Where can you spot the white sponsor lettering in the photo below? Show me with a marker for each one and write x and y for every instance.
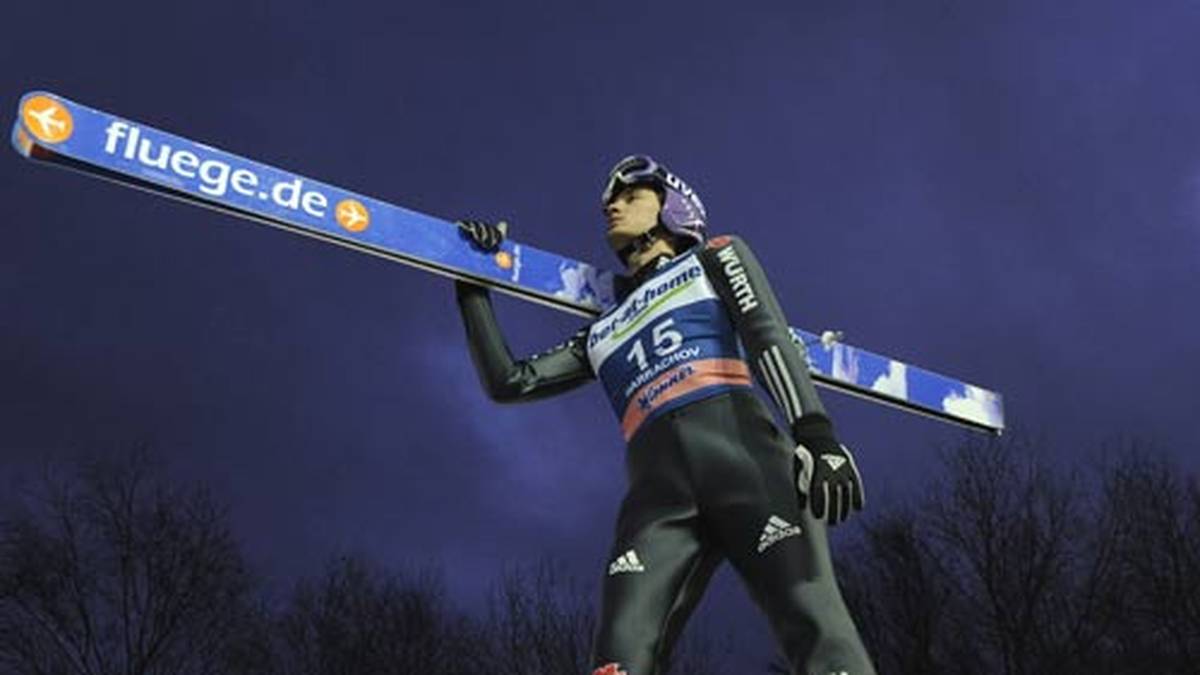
(681, 285)
(626, 563)
(633, 307)
(775, 530)
(215, 176)
(686, 354)
(735, 273)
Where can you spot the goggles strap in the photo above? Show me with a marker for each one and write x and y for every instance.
(643, 242)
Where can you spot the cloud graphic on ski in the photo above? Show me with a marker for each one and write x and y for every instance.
(584, 283)
(976, 404)
(845, 363)
(894, 382)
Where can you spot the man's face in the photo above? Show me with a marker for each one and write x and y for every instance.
(632, 213)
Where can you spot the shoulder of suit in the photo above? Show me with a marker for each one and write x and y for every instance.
(722, 241)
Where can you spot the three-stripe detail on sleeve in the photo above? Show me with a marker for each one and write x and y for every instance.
(779, 383)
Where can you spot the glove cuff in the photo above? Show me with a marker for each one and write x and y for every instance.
(813, 427)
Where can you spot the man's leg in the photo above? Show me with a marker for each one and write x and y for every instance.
(787, 567)
(782, 553)
(659, 566)
(652, 585)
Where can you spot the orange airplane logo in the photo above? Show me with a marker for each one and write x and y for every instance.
(352, 215)
(47, 119)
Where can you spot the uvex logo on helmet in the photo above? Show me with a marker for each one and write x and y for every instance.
(676, 183)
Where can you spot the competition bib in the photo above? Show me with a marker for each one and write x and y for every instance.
(667, 344)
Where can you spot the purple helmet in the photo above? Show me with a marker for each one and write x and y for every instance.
(682, 212)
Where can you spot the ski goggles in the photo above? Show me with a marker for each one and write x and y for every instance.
(633, 170)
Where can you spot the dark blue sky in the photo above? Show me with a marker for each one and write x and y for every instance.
(1004, 192)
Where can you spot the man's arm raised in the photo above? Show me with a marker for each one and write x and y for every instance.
(505, 379)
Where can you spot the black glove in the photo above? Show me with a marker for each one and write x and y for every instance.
(483, 235)
(826, 476)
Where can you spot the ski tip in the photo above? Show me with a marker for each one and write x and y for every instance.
(21, 140)
(29, 101)
(42, 118)
(38, 92)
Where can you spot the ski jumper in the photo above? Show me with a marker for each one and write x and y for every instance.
(710, 473)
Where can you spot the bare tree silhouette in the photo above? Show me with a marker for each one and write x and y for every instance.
(1155, 511)
(1008, 563)
(1012, 564)
(358, 619)
(108, 569)
(893, 580)
(1013, 536)
(539, 621)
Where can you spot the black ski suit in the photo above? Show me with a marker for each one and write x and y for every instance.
(710, 473)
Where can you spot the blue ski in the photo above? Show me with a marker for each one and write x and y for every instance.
(54, 130)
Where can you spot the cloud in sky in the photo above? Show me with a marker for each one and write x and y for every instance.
(560, 456)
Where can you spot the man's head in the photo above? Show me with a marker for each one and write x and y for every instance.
(631, 213)
(639, 187)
